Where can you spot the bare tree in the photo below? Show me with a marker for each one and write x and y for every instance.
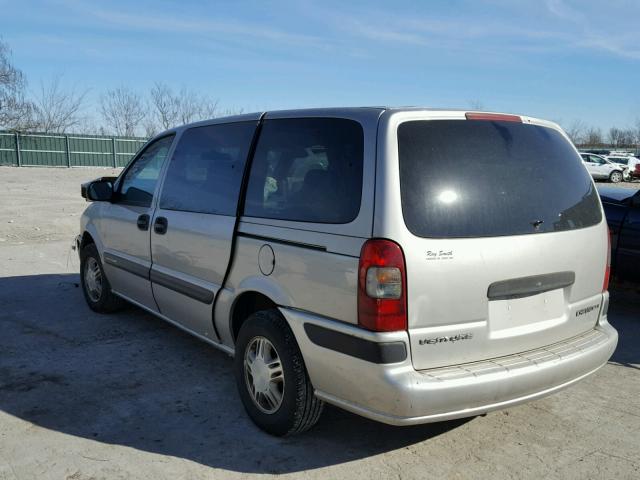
(194, 107)
(227, 112)
(122, 110)
(593, 137)
(627, 138)
(614, 137)
(186, 106)
(89, 126)
(150, 127)
(164, 105)
(576, 131)
(58, 110)
(16, 112)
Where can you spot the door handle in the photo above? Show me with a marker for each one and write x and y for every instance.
(143, 222)
(160, 225)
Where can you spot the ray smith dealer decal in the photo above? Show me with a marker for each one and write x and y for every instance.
(439, 254)
(585, 310)
(452, 338)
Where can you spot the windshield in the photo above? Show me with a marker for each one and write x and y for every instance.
(476, 178)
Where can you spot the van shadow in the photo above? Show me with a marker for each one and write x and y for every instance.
(624, 315)
(130, 379)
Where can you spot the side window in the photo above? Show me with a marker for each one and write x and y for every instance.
(597, 160)
(307, 170)
(206, 169)
(139, 181)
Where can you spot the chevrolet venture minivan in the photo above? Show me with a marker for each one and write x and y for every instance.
(408, 265)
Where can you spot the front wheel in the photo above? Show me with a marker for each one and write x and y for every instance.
(271, 376)
(615, 177)
(95, 285)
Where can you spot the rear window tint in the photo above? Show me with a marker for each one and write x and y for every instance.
(474, 178)
(307, 170)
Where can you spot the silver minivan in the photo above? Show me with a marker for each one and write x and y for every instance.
(408, 265)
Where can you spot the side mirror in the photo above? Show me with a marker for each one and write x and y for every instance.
(98, 190)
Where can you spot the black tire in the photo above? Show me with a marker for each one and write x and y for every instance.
(299, 409)
(616, 177)
(106, 301)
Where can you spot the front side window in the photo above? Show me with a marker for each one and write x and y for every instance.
(140, 179)
(307, 170)
(476, 178)
(206, 169)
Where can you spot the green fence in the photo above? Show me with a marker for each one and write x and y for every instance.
(58, 150)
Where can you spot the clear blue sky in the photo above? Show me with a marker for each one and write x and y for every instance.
(557, 59)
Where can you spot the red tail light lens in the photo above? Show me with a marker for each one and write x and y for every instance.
(637, 169)
(382, 287)
(607, 270)
(495, 117)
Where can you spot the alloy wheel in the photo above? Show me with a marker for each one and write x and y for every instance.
(264, 375)
(93, 279)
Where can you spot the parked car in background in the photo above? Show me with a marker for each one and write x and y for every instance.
(602, 169)
(631, 163)
(622, 209)
(407, 265)
(597, 151)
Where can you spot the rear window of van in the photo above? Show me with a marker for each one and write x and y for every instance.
(477, 178)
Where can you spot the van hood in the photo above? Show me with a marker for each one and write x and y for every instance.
(615, 195)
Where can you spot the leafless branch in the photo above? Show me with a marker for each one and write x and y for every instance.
(576, 131)
(58, 110)
(169, 109)
(122, 110)
(16, 112)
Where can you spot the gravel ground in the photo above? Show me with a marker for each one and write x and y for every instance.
(86, 396)
(42, 204)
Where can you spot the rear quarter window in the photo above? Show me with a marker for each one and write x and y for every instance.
(474, 178)
(307, 170)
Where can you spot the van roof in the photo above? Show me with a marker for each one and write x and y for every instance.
(337, 111)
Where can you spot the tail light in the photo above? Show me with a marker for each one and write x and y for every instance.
(607, 270)
(637, 169)
(382, 287)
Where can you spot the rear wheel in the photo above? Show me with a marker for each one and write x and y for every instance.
(271, 376)
(95, 285)
(615, 177)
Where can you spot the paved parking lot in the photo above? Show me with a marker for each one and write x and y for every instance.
(85, 396)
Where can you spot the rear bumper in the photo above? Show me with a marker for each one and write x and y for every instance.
(397, 394)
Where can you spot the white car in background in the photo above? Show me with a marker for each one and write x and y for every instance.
(627, 161)
(602, 169)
